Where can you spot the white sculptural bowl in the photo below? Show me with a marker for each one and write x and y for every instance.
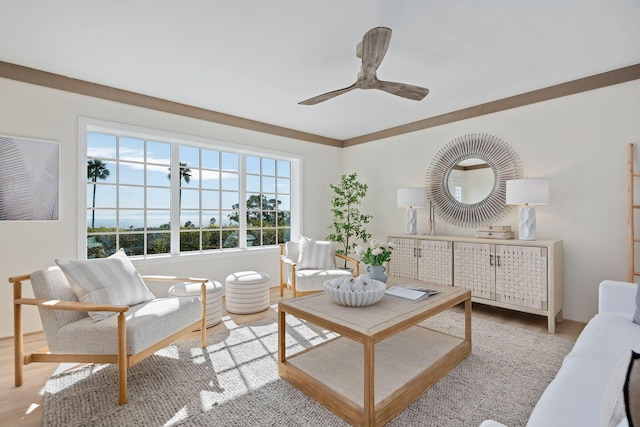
(373, 294)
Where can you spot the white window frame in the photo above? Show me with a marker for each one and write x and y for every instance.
(457, 188)
(86, 125)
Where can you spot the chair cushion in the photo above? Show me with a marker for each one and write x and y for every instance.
(112, 280)
(312, 280)
(147, 324)
(316, 254)
(291, 250)
(51, 284)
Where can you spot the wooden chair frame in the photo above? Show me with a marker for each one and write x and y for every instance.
(122, 359)
(284, 260)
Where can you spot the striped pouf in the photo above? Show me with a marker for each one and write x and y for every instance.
(247, 292)
(214, 298)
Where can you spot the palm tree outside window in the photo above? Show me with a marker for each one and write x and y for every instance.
(96, 169)
(185, 174)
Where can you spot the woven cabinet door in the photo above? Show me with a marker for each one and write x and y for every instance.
(435, 262)
(404, 261)
(474, 268)
(521, 276)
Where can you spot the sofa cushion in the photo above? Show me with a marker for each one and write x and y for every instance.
(575, 396)
(112, 281)
(147, 324)
(316, 254)
(606, 336)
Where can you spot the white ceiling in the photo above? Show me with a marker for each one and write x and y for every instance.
(258, 58)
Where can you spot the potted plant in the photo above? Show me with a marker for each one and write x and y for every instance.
(349, 224)
(374, 256)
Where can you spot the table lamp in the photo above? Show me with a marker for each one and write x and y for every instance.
(411, 198)
(527, 193)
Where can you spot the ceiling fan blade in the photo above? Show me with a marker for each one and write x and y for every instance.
(326, 96)
(372, 50)
(415, 93)
(374, 46)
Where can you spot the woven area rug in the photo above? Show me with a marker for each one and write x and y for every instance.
(235, 382)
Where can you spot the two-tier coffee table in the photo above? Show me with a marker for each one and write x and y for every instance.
(382, 360)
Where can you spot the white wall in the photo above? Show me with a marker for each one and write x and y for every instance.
(578, 142)
(36, 112)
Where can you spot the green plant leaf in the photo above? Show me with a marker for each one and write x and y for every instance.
(348, 222)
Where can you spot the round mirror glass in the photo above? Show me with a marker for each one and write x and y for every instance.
(471, 181)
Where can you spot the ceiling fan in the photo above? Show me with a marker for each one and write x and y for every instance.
(372, 50)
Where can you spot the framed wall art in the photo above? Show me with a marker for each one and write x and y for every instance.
(29, 179)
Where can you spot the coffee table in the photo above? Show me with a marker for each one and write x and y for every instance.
(382, 360)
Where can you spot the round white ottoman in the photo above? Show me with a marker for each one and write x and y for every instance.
(247, 292)
(214, 298)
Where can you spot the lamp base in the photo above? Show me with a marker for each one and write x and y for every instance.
(527, 223)
(411, 225)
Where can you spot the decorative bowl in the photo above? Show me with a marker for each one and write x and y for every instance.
(372, 295)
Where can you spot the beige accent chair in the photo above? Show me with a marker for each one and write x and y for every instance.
(305, 281)
(125, 339)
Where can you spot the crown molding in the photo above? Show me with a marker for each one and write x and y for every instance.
(82, 87)
(596, 81)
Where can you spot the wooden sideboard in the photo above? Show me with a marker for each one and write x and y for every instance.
(522, 275)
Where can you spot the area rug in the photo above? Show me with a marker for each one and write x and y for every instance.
(235, 382)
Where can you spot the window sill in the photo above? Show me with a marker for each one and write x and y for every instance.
(196, 256)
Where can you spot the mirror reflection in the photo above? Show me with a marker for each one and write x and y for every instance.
(470, 181)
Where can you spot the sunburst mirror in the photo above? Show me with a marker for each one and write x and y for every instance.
(466, 180)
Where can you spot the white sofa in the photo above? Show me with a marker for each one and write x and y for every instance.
(577, 395)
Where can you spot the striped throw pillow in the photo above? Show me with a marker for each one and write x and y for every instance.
(112, 281)
(316, 254)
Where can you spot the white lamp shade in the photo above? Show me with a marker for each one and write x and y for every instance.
(411, 197)
(530, 191)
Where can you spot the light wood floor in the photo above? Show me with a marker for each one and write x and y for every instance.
(22, 406)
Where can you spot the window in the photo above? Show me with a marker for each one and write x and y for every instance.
(135, 201)
(456, 186)
(209, 197)
(457, 193)
(268, 196)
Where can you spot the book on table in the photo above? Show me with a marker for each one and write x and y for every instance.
(409, 293)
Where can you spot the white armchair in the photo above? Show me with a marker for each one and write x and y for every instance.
(305, 274)
(134, 333)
